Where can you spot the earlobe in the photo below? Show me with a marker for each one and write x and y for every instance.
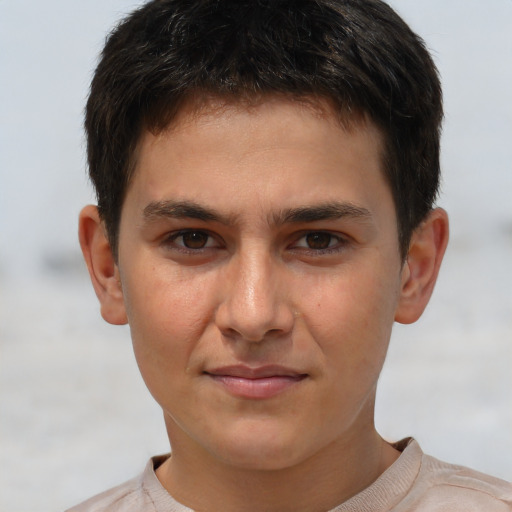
(419, 275)
(102, 267)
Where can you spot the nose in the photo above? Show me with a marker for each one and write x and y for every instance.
(255, 304)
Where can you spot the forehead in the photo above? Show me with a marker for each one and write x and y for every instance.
(299, 148)
(271, 117)
(205, 108)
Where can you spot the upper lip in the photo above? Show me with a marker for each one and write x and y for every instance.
(260, 372)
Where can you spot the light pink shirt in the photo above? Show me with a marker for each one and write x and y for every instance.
(415, 482)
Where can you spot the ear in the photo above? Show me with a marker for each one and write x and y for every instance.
(421, 268)
(102, 266)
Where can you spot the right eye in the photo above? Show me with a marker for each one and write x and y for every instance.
(191, 240)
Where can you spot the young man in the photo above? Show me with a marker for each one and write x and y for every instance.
(266, 173)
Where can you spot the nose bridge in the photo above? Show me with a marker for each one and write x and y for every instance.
(255, 287)
(254, 304)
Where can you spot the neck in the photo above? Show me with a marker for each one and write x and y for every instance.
(330, 477)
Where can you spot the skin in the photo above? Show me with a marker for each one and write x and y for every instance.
(263, 239)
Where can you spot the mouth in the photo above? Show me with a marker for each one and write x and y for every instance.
(255, 383)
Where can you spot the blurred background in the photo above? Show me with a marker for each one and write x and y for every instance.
(75, 417)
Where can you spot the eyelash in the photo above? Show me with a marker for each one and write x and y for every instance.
(171, 242)
(339, 245)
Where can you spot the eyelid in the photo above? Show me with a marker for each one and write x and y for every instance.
(169, 240)
(341, 242)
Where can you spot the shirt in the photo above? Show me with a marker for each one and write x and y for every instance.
(414, 482)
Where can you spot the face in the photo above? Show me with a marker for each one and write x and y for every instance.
(260, 272)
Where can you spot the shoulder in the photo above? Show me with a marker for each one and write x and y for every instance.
(141, 493)
(441, 487)
(117, 498)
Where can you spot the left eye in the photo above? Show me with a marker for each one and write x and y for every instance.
(318, 240)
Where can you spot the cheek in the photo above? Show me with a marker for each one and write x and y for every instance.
(352, 315)
(167, 314)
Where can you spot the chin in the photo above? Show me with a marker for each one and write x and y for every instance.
(266, 450)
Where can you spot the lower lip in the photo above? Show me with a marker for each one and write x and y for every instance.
(265, 387)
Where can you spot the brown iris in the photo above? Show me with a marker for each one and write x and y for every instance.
(195, 239)
(318, 240)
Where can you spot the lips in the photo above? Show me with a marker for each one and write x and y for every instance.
(255, 383)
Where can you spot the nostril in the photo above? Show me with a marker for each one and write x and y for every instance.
(230, 333)
(253, 336)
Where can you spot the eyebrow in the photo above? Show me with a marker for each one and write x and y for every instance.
(181, 210)
(304, 214)
(327, 211)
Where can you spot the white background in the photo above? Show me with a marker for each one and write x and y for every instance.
(75, 417)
